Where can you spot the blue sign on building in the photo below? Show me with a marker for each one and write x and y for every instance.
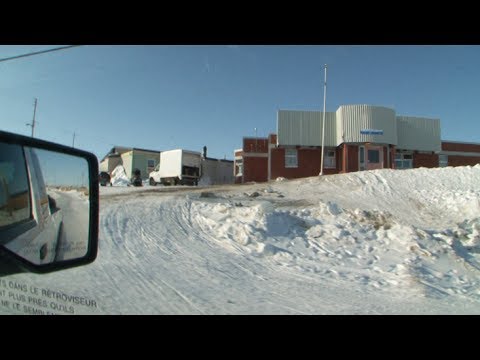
(371, 132)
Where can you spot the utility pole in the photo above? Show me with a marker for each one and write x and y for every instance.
(34, 113)
(256, 141)
(73, 143)
(323, 122)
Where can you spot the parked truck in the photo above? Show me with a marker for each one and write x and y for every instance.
(177, 167)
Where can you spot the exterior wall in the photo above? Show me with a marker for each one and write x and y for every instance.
(461, 154)
(224, 174)
(352, 158)
(385, 157)
(304, 128)
(113, 162)
(272, 139)
(140, 161)
(255, 169)
(103, 166)
(127, 163)
(255, 145)
(110, 163)
(393, 150)
(415, 133)
(254, 155)
(216, 172)
(352, 119)
(308, 163)
(425, 160)
(454, 146)
(455, 160)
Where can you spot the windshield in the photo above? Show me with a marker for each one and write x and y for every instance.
(252, 179)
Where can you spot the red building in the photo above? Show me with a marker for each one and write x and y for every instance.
(357, 138)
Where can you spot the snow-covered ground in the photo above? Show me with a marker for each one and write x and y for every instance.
(378, 242)
(74, 206)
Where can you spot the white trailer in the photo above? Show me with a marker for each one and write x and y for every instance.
(177, 167)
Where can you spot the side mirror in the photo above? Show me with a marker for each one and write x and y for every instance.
(48, 205)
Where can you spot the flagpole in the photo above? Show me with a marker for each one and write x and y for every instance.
(323, 122)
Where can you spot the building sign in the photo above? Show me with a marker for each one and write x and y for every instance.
(371, 132)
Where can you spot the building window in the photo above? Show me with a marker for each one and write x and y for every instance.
(403, 160)
(291, 158)
(151, 163)
(373, 156)
(329, 159)
(443, 160)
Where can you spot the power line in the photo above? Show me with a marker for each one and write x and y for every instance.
(38, 52)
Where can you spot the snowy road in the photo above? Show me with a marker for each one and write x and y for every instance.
(380, 242)
(75, 224)
(212, 256)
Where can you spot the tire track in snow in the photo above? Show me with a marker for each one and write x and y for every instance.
(138, 254)
(189, 265)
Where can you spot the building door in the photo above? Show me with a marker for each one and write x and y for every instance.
(374, 157)
(361, 158)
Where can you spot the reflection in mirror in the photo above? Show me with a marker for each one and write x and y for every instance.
(44, 204)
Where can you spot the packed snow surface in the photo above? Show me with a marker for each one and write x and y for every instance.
(373, 242)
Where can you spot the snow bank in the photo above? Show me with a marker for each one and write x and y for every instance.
(438, 197)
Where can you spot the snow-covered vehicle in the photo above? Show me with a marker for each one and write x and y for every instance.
(177, 167)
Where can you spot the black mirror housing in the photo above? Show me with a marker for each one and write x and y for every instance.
(22, 210)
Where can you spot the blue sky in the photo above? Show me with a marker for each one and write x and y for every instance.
(165, 97)
(62, 169)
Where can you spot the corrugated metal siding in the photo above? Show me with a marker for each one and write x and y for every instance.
(217, 172)
(351, 119)
(304, 128)
(415, 133)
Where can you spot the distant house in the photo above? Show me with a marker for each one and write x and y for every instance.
(130, 158)
(214, 171)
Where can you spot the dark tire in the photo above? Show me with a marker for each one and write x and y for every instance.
(152, 182)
